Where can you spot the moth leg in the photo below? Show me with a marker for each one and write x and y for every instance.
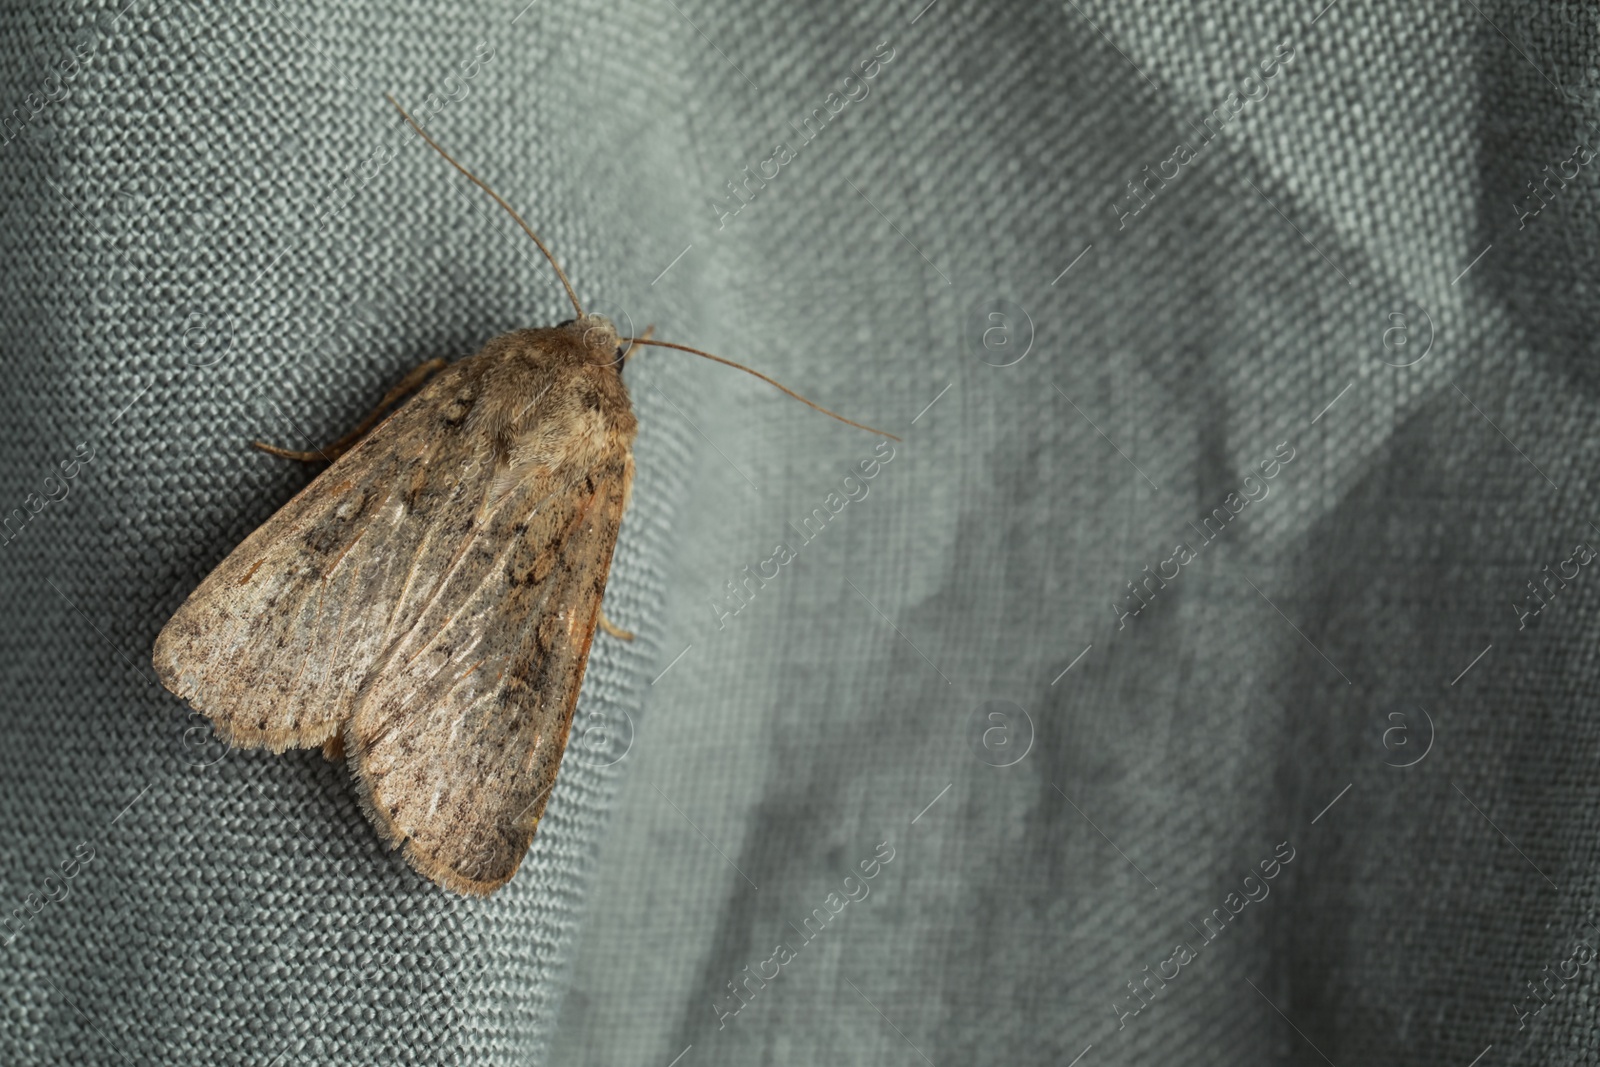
(409, 384)
(613, 629)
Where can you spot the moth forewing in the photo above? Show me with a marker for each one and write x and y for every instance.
(275, 644)
(497, 661)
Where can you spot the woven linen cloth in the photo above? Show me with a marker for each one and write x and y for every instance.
(216, 231)
(1205, 676)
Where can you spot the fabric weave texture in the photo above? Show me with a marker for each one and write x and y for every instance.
(1069, 654)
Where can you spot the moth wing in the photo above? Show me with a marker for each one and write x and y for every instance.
(457, 739)
(276, 643)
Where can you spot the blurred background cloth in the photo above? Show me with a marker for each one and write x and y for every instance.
(1103, 268)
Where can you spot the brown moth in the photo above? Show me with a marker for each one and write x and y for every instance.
(426, 605)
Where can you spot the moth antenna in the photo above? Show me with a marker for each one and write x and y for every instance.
(763, 377)
(475, 180)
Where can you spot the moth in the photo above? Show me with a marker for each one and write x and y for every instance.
(425, 607)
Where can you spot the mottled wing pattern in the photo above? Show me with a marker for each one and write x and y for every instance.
(457, 738)
(430, 601)
(275, 645)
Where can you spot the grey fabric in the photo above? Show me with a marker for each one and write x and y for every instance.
(180, 281)
(175, 287)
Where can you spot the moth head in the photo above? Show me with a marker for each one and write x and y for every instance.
(599, 340)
